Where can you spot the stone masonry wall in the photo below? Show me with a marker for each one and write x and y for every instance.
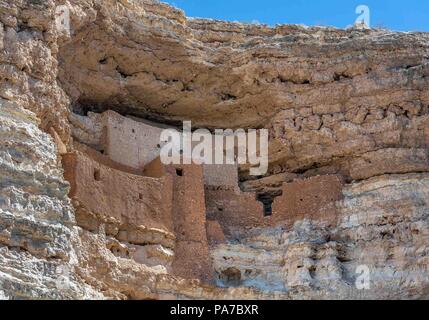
(136, 143)
(314, 198)
(130, 142)
(225, 176)
(146, 211)
(133, 208)
(234, 209)
(189, 211)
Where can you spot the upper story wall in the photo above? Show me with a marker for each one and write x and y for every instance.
(136, 143)
(221, 176)
(130, 142)
(314, 198)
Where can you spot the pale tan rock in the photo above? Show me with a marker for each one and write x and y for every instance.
(379, 219)
(37, 259)
(320, 97)
(61, 148)
(353, 103)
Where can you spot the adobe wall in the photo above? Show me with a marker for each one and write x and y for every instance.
(104, 160)
(225, 176)
(155, 169)
(189, 214)
(134, 208)
(215, 234)
(314, 198)
(129, 142)
(234, 209)
(136, 143)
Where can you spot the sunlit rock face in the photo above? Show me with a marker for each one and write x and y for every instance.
(37, 258)
(382, 225)
(333, 100)
(350, 104)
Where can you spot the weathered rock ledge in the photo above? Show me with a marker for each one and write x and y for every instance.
(350, 103)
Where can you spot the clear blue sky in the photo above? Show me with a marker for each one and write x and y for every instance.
(401, 15)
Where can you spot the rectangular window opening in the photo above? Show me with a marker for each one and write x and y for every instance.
(97, 175)
(179, 172)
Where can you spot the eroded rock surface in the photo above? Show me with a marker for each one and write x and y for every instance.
(333, 100)
(37, 257)
(346, 103)
(382, 224)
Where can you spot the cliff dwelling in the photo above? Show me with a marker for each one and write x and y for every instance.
(173, 216)
(89, 211)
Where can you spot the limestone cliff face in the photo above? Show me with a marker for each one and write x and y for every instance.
(334, 100)
(382, 224)
(354, 103)
(36, 217)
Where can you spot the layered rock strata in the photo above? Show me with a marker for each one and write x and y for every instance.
(349, 105)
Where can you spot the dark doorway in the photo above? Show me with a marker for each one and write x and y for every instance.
(267, 201)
